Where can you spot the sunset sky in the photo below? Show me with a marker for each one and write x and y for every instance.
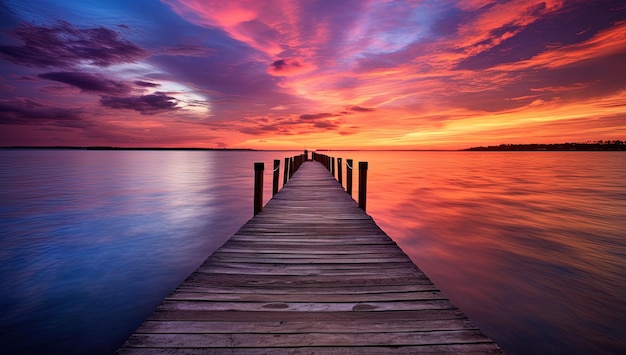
(335, 74)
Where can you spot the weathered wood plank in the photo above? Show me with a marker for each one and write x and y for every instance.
(232, 280)
(204, 305)
(233, 340)
(311, 273)
(310, 260)
(279, 271)
(199, 327)
(306, 297)
(466, 349)
(315, 317)
(307, 267)
(313, 289)
(306, 250)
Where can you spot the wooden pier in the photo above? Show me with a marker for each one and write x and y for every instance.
(311, 273)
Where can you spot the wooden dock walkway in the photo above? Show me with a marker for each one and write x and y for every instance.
(311, 274)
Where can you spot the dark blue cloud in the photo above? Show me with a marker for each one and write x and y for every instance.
(146, 84)
(144, 104)
(89, 82)
(279, 64)
(63, 45)
(24, 111)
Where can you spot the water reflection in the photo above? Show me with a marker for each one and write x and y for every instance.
(93, 240)
(529, 245)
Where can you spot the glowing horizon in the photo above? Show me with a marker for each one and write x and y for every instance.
(331, 75)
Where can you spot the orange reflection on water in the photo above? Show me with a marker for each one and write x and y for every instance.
(529, 245)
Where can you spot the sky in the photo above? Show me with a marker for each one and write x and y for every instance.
(327, 74)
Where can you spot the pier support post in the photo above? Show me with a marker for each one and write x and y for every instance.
(276, 175)
(362, 184)
(298, 160)
(339, 177)
(332, 166)
(349, 176)
(258, 187)
(286, 171)
(291, 169)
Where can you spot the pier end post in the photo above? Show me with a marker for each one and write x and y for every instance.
(339, 172)
(276, 175)
(362, 184)
(286, 171)
(258, 187)
(349, 176)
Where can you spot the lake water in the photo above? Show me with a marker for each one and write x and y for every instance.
(531, 246)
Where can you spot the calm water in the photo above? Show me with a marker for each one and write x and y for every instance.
(530, 245)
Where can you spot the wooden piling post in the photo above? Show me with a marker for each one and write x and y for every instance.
(258, 187)
(276, 175)
(362, 184)
(332, 166)
(298, 160)
(339, 177)
(349, 176)
(286, 171)
(291, 169)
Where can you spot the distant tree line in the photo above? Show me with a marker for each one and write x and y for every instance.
(608, 145)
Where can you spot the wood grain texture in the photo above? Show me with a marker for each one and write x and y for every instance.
(311, 273)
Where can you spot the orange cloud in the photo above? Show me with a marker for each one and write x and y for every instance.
(507, 18)
(605, 43)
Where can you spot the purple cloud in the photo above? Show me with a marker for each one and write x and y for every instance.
(361, 109)
(279, 64)
(326, 125)
(24, 111)
(89, 82)
(146, 84)
(287, 67)
(317, 116)
(189, 50)
(63, 45)
(145, 104)
(284, 125)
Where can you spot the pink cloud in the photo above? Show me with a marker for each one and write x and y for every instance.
(239, 19)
